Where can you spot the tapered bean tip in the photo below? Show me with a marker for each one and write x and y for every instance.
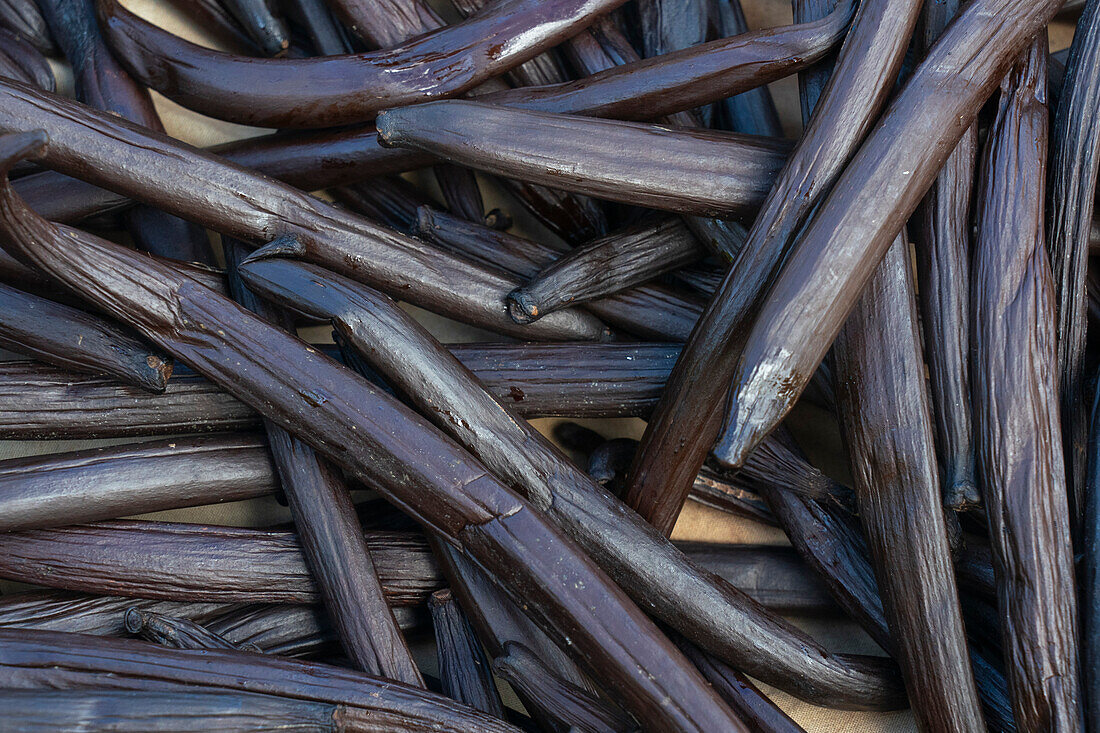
(522, 307)
(281, 247)
(391, 122)
(133, 620)
(20, 145)
(425, 220)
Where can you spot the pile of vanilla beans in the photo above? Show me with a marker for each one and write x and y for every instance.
(916, 264)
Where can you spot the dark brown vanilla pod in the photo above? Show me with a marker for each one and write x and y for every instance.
(102, 83)
(391, 200)
(941, 238)
(688, 418)
(68, 200)
(752, 112)
(74, 340)
(290, 631)
(330, 91)
(363, 702)
(849, 233)
(1074, 157)
(886, 414)
(194, 562)
(572, 217)
(329, 530)
(20, 60)
(650, 311)
(702, 606)
(215, 19)
(463, 667)
(314, 17)
(389, 22)
(267, 31)
(178, 633)
(1088, 578)
(387, 446)
(105, 483)
(186, 181)
(24, 19)
(1024, 479)
(80, 613)
(730, 496)
(606, 266)
(675, 170)
(558, 700)
(754, 707)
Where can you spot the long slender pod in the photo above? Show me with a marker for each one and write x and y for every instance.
(1019, 436)
(463, 667)
(1088, 578)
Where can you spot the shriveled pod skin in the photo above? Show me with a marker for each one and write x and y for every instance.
(674, 170)
(1088, 578)
(166, 561)
(105, 483)
(886, 414)
(1019, 434)
(24, 19)
(701, 606)
(388, 22)
(752, 112)
(68, 200)
(101, 83)
(1074, 157)
(849, 233)
(81, 613)
(107, 150)
(651, 311)
(588, 380)
(178, 633)
(71, 339)
(391, 200)
(267, 31)
(730, 496)
(386, 445)
(688, 418)
(291, 631)
(941, 238)
(24, 62)
(314, 17)
(213, 17)
(558, 700)
(463, 667)
(328, 91)
(365, 703)
(606, 266)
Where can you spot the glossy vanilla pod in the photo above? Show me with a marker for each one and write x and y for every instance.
(328, 529)
(941, 239)
(267, 30)
(108, 150)
(194, 562)
(606, 266)
(337, 90)
(73, 340)
(102, 83)
(387, 446)
(752, 112)
(839, 248)
(1088, 578)
(885, 412)
(464, 669)
(652, 310)
(705, 172)
(1074, 156)
(24, 19)
(20, 60)
(539, 380)
(703, 608)
(362, 702)
(104, 483)
(177, 633)
(1016, 417)
(688, 417)
(555, 699)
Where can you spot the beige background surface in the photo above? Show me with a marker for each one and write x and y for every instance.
(815, 430)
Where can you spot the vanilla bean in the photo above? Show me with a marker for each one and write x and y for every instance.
(463, 668)
(177, 633)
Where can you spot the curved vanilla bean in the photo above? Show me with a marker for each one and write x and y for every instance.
(700, 606)
(850, 231)
(1016, 420)
(558, 700)
(675, 170)
(192, 562)
(101, 83)
(1074, 157)
(329, 530)
(887, 420)
(606, 266)
(79, 662)
(762, 715)
(177, 178)
(650, 311)
(683, 428)
(941, 238)
(337, 90)
(22, 61)
(177, 633)
(24, 19)
(74, 340)
(463, 668)
(105, 483)
(387, 446)
(267, 31)
(752, 112)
